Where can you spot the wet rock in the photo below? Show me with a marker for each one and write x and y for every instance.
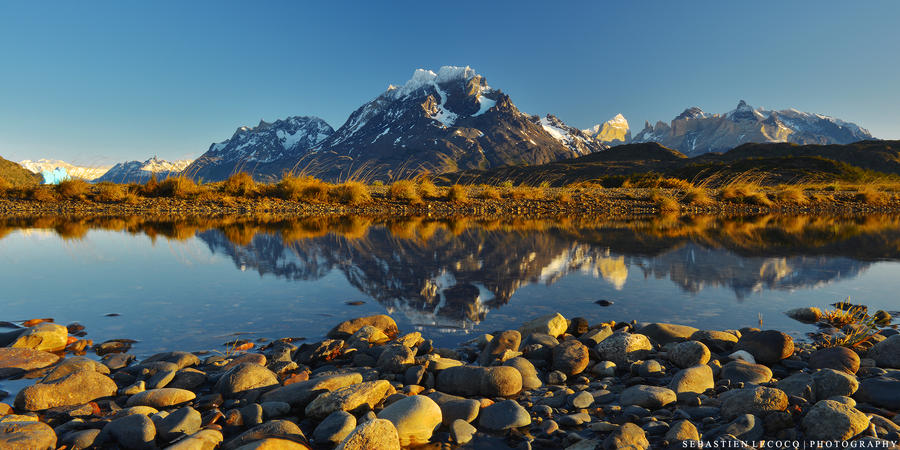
(830, 382)
(740, 371)
(880, 391)
(650, 397)
(767, 347)
(681, 431)
(665, 333)
(44, 336)
(161, 398)
(415, 417)
(14, 362)
(830, 420)
(250, 358)
(349, 398)
(298, 395)
(75, 364)
(886, 353)
(689, 354)
(367, 336)
(178, 358)
(530, 378)
(382, 322)
(556, 377)
(624, 348)
(745, 427)
(461, 432)
(837, 358)
(161, 379)
(80, 440)
(252, 414)
(695, 379)
(574, 420)
(184, 421)
(506, 341)
(273, 410)
(758, 401)
(27, 436)
(395, 358)
(578, 326)
(805, 315)
(245, 378)
(135, 432)
(552, 324)
(116, 361)
(570, 357)
(337, 426)
(188, 378)
(201, 440)
(271, 429)
(627, 436)
(497, 381)
(71, 389)
(717, 341)
(375, 434)
(503, 416)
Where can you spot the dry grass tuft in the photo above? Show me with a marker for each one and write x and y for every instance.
(73, 188)
(110, 193)
(458, 194)
(240, 184)
(871, 195)
(665, 202)
(177, 187)
(746, 193)
(791, 194)
(42, 193)
(563, 197)
(303, 188)
(351, 193)
(426, 188)
(405, 191)
(696, 196)
(4, 186)
(489, 193)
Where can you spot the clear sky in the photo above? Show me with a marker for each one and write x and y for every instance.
(104, 81)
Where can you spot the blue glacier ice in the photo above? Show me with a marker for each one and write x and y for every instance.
(55, 176)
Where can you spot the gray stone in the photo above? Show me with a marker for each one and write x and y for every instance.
(829, 420)
(70, 389)
(273, 410)
(689, 354)
(350, 398)
(627, 436)
(665, 333)
(459, 409)
(245, 378)
(415, 417)
(758, 401)
(298, 395)
(695, 379)
(80, 440)
(188, 378)
(837, 358)
(739, 371)
(497, 381)
(508, 340)
(767, 347)
(395, 358)
(183, 421)
(274, 428)
(716, 341)
(805, 315)
(461, 432)
(252, 414)
(375, 434)
(680, 431)
(27, 436)
(650, 397)
(346, 328)
(161, 398)
(504, 415)
(830, 382)
(624, 348)
(334, 428)
(581, 400)
(530, 379)
(745, 427)
(886, 353)
(880, 391)
(134, 432)
(570, 357)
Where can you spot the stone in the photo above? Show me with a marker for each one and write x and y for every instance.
(462, 432)
(530, 378)
(740, 371)
(837, 358)
(570, 357)
(298, 395)
(272, 429)
(188, 378)
(578, 326)
(415, 417)
(767, 347)
(758, 401)
(581, 400)
(799, 385)
(507, 340)
(273, 410)
(742, 355)
(382, 322)
(337, 426)
(80, 440)
(161, 379)
(829, 420)
(880, 391)
(375, 434)
(745, 427)
(44, 336)
(75, 364)
(556, 377)
(574, 420)
(716, 341)
(253, 358)
(367, 336)
(349, 398)
(14, 362)
(459, 409)
(27, 436)
(72, 389)
(689, 354)
(627, 436)
(695, 379)
(682, 430)
(395, 358)
(665, 333)
(135, 432)
(595, 335)
(650, 397)
(497, 381)
(245, 378)
(180, 359)
(551, 324)
(274, 444)
(624, 348)
(886, 353)
(181, 422)
(116, 361)
(806, 315)
(504, 415)
(136, 388)
(414, 374)
(161, 398)
(202, 440)
(830, 382)
(604, 369)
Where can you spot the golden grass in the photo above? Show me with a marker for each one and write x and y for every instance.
(4, 186)
(871, 195)
(665, 202)
(489, 193)
(351, 193)
(791, 194)
(177, 187)
(42, 193)
(745, 193)
(405, 191)
(302, 188)
(695, 196)
(240, 184)
(73, 189)
(457, 194)
(524, 193)
(426, 188)
(110, 193)
(563, 197)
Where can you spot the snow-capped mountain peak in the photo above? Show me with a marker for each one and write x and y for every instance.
(71, 170)
(615, 130)
(573, 138)
(141, 171)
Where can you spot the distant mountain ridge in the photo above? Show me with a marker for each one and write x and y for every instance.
(74, 171)
(444, 121)
(141, 171)
(15, 175)
(694, 131)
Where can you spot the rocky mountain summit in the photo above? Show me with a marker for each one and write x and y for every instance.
(141, 171)
(613, 131)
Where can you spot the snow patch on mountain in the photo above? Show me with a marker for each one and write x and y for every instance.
(73, 171)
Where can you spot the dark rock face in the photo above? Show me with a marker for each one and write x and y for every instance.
(767, 347)
(837, 358)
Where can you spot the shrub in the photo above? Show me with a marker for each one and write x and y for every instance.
(307, 189)
(524, 193)
(4, 186)
(871, 195)
(73, 188)
(744, 193)
(110, 192)
(458, 194)
(489, 193)
(697, 197)
(506, 184)
(665, 202)
(42, 193)
(240, 184)
(426, 188)
(178, 187)
(150, 187)
(404, 190)
(563, 197)
(378, 183)
(791, 194)
(351, 193)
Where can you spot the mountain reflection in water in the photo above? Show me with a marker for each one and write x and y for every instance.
(452, 272)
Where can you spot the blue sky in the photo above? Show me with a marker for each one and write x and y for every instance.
(104, 81)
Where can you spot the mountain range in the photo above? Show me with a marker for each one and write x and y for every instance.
(82, 172)
(141, 171)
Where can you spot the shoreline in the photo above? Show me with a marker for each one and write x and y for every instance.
(554, 382)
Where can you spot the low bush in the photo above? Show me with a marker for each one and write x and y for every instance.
(240, 184)
(110, 193)
(665, 202)
(404, 190)
(489, 193)
(457, 194)
(42, 193)
(351, 193)
(73, 188)
(695, 196)
(177, 187)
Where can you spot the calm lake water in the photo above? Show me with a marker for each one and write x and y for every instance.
(191, 284)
